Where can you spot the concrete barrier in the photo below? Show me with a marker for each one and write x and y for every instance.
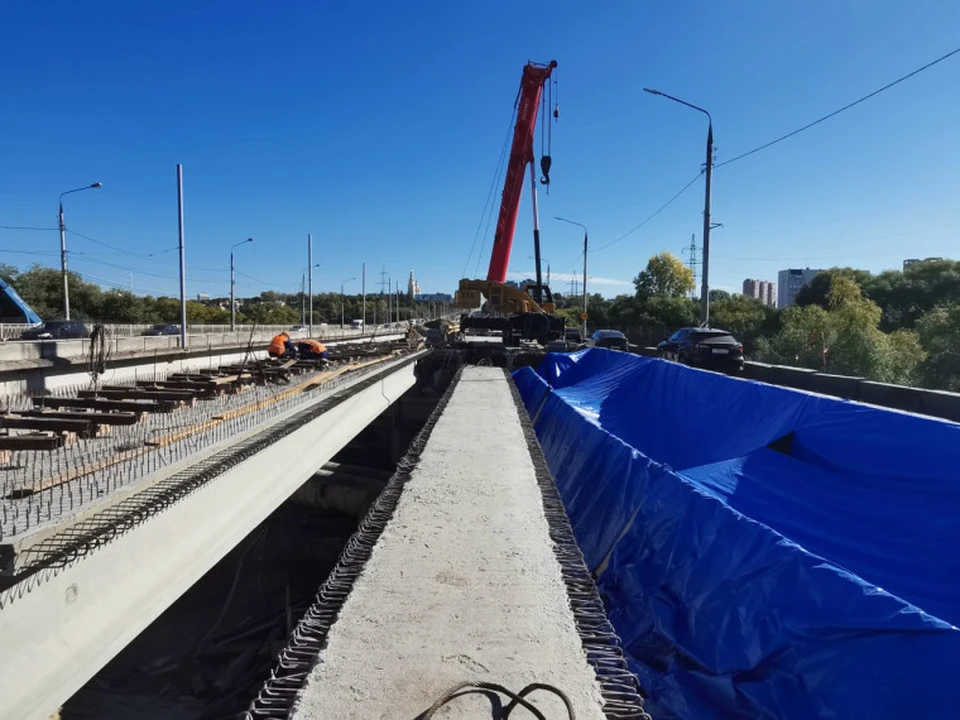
(899, 397)
(842, 386)
(936, 403)
(29, 367)
(798, 378)
(940, 403)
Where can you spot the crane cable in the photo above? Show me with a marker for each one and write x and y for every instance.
(546, 131)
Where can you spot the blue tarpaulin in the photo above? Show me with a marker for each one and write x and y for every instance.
(762, 552)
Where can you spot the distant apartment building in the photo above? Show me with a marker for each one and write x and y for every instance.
(916, 261)
(763, 290)
(790, 281)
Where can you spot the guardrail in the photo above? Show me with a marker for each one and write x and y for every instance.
(12, 331)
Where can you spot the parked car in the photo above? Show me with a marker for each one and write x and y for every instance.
(573, 335)
(613, 339)
(703, 347)
(163, 330)
(56, 330)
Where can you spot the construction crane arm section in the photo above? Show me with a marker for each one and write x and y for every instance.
(521, 153)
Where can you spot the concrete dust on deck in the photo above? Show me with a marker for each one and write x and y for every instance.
(462, 585)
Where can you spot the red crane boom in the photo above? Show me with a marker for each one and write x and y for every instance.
(521, 153)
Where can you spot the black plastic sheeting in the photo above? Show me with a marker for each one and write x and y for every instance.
(762, 552)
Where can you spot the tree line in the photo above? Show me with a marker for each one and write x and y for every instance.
(42, 289)
(897, 327)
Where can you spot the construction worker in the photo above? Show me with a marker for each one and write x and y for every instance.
(281, 346)
(311, 349)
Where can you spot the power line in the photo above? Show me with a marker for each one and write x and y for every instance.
(837, 112)
(650, 217)
(488, 203)
(82, 256)
(30, 252)
(106, 245)
(26, 227)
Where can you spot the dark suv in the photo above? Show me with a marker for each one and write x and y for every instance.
(56, 330)
(703, 347)
(613, 339)
(573, 335)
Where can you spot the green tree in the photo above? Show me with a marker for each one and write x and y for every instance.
(905, 296)
(42, 289)
(939, 332)
(744, 316)
(844, 338)
(665, 275)
(815, 292)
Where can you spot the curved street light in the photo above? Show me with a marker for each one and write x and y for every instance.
(586, 242)
(705, 283)
(63, 247)
(233, 303)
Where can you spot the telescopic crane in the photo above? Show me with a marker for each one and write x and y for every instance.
(526, 312)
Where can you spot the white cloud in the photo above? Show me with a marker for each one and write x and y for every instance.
(567, 277)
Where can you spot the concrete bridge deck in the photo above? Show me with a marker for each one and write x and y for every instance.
(111, 574)
(472, 575)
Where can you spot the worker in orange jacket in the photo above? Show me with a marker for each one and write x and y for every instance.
(311, 349)
(281, 346)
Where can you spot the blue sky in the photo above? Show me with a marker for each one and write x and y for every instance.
(377, 127)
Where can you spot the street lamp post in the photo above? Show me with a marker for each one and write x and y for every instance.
(341, 300)
(389, 299)
(586, 243)
(233, 301)
(306, 318)
(63, 249)
(705, 281)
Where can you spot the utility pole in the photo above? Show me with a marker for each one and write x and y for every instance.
(586, 244)
(310, 270)
(708, 170)
(63, 249)
(389, 299)
(233, 284)
(183, 261)
(693, 262)
(363, 290)
(705, 281)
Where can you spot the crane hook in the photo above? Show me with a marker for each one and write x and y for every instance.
(545, 163)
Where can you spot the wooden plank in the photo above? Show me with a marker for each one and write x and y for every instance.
(37, 441)
(232, 379)
(104, 405)
(83, 428)
(200, 389)
(139, 394)
(200, 427)
(114, 418)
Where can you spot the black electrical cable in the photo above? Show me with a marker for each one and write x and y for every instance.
(649, 217)
(490, 690)
(837, 112)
